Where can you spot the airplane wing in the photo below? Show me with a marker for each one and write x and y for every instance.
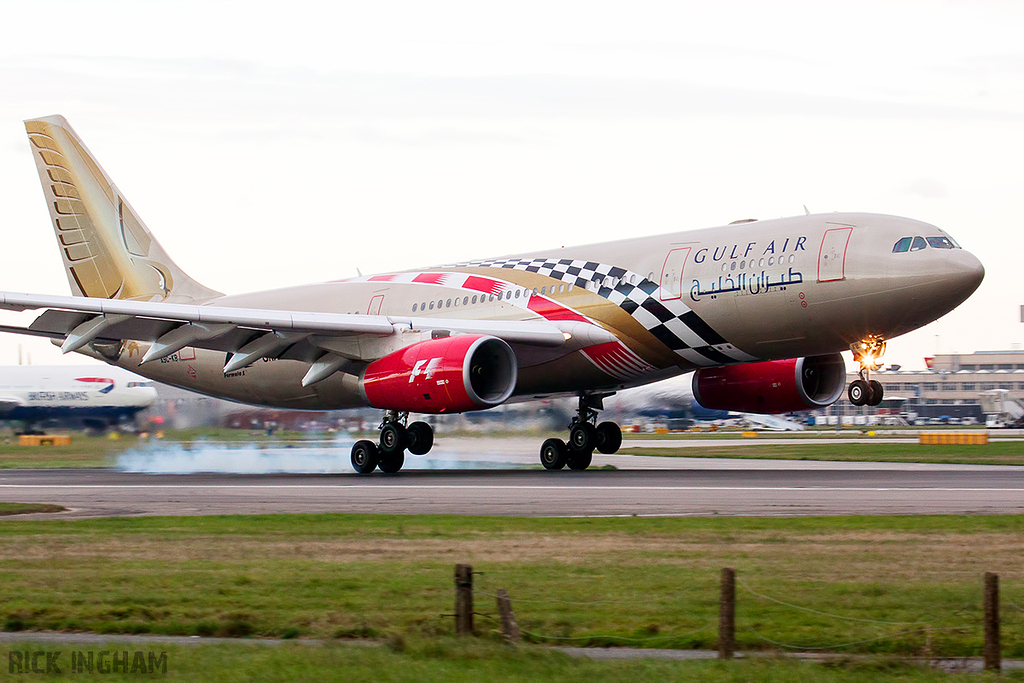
(329, 341)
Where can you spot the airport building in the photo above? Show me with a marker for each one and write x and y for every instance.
(951, 386)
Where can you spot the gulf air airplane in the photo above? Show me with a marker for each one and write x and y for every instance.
(95, 396)
(760, 310)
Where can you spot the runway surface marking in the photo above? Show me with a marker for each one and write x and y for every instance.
(509, 486)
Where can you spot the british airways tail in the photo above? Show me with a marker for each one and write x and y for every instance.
(108, 251)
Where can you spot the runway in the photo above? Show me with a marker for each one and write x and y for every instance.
(677, 487)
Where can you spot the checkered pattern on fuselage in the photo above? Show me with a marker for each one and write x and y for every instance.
(671, 321)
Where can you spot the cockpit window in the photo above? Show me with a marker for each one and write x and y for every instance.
(903, 245)
(918, 244)
(941, 243)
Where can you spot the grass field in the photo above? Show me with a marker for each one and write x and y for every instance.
(992, 453)
(450, 660)
(905, 585)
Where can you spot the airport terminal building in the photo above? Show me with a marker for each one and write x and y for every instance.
(949, 387)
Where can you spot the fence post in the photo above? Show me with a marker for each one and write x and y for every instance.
(463, 600)
(727, 615)
(509, 627)
(993, 659)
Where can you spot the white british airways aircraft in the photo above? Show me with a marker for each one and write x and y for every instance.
(759, 309)
(96, 396)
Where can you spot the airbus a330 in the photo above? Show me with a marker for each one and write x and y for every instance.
(759, 310)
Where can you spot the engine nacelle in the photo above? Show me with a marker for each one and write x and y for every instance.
(777, 386)
(446, 375)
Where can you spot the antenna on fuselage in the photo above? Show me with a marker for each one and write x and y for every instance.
(806, 212)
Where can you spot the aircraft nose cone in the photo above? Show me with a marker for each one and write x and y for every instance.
(967, 273)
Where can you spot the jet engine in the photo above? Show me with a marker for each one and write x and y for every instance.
(446, 375)
(777, 386)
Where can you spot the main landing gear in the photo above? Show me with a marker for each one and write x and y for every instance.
(866, 391)
(395, 437)
(585, 435)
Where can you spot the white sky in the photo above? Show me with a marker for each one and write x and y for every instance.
(269, 144)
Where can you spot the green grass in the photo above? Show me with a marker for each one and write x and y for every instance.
(27, 508)
(597, 582)
(451, 660)
(992, 453)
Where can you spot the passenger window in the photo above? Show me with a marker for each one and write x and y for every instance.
(465, 300)
(414, 308)
(543, 290)
(448, 304)
(474, 298)
(918, 244)
(940, 243)
(517, 293)
(902, 245)
(431, 305)
(423, 306)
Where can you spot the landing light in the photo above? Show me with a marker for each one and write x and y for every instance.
(567, 336)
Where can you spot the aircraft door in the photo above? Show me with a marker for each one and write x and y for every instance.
(832, 255)
(375, 303)
(672, 273)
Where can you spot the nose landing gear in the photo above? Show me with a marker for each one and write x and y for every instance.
(585, 436)
(866, 391)
(395, 437)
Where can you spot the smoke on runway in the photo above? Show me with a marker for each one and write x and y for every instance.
(322, 457)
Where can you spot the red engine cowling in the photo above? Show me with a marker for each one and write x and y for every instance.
(777, 386)
(447, 375)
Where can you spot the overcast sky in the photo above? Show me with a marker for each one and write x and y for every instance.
(269, 144)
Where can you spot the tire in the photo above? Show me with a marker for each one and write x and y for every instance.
(582, 437)
(392, 438)
(553, 453)
(580, 461)
(391, 462)
(365, 456)
(877, 392)
(420, 437)
(609, 438)
(859, 392)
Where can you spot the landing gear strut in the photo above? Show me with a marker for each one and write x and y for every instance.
(585, 435)
(395, 437)
(866, 391)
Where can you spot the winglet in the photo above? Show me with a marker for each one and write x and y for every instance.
(108, 251)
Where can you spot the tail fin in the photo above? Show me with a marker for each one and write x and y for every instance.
(107, 250)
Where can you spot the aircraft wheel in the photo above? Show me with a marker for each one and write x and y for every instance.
(392, 438)
(582, 437)
(553, 453)
(877, 392)
(580, 461)
(391, 462)
(365, 455)
(859, 392)
(609, 438)
(420, 437)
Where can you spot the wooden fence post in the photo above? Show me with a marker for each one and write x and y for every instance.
(463, 600)
(993, 659)
(727, 615)
(509, 627)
